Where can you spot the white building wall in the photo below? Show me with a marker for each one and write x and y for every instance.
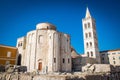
(114, 57)
(56, 53)
(31, 50)
(42, 49)
(111, 57)
(65, 53)
(47, 46)
(21, 44)
(90, 38)
(50, 50)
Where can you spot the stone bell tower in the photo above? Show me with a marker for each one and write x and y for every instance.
(90, 38)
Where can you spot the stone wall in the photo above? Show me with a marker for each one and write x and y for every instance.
(98, 68)
(76, 64)
(61, 76)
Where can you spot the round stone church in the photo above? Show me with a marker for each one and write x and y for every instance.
(45, 49)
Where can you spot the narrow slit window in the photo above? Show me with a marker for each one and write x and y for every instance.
(54, 60)
(63, 60)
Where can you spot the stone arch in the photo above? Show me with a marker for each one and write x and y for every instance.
(90, 34)
(90, 44)
(40, 66)
(19, 59)
(88, 24)
(88, 54)
(87, 44)
(91, 53)
(86, 35)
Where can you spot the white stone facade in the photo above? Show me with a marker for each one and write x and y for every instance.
(21, 44)
(91, 45)
(90, 39)
(110, 57)
(47, 50)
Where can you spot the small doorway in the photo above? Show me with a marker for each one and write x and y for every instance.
(40, 66)
(19, 59)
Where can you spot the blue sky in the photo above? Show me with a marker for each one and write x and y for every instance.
(17, 17)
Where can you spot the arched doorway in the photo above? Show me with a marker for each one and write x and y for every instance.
(40, 66)
(19, 59)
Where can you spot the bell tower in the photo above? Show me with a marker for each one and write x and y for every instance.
(90, 38)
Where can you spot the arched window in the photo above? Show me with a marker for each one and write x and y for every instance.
(21, 44)
(88, 25)
(47, 27)
(88, 54)
(19, 59)
(90, 44)
(113, 58)
(91, 53)
(87, 44)
(85, 26)
(114, 62)
(89, 34)
(86, 35)
(54, 60)
(40, 39)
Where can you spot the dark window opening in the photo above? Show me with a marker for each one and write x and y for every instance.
(91, 53)
(54, 60)
(85, 26)
(88, 25)
(114, 62)
(86, 35)
(103, 54)
(21, 44)
(47, 27)
(113, 58)
(113, 53)
(87, 45)
(103, 59)
(67, 40)
(90, 44)
(63, 60)
(88, 54)
(89, 34)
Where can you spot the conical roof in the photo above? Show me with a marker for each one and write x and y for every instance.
(87, 13)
